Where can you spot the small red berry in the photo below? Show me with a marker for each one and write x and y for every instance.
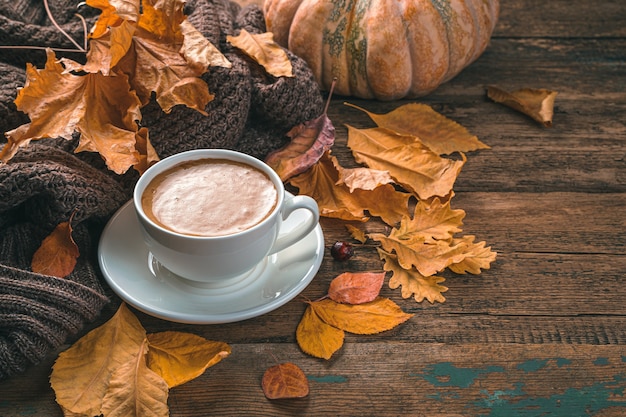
(342, 251)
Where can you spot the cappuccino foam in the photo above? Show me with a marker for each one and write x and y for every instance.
(209, 197)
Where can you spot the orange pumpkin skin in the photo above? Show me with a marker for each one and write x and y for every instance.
(383, 49)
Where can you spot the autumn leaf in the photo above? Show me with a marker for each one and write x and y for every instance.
(179, 357)
(335, 200)
(363, 178)
(146, 154)
(58, 252)
(356, 287)
(317, 338)
(477, 257)
(440, 134)
(356, 233)
(263, 49)
(309, 141)
(368, 318)
(135, 390)
(101, 108)
(536, 103)
(285, 380)
(412, 282)
(409, 162)
(81, 374)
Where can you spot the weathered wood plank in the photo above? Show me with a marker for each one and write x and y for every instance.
(394, 378)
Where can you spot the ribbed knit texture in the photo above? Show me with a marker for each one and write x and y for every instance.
(46, 182)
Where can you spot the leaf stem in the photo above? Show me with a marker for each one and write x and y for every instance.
(56, 25)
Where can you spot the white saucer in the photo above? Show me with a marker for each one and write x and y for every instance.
(139, 280)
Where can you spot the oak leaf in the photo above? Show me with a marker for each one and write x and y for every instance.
(335, 200)
(410, 163)
(81, 374)
(317, 338)
(376, 316)
(58, 252)
(179, 357)
(439, 133)
(412, 282)
(264, 50)
(356, 287)
(285, 380)
(533, 102)
(356, 233)
(477, 257)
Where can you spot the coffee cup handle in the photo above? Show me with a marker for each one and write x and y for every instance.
(301, 230)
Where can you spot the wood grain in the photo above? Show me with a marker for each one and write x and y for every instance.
(541, 333)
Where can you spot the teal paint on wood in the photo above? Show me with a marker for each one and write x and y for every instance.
(601, 361)
(572, 402)
(334, 379)
(560, 362)
(532, 365)
(445, 374)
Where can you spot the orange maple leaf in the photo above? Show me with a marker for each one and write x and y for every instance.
(103, 109)
(262, 48)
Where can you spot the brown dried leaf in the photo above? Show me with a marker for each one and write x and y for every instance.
(409, 162)
(441, 135)
(536, 103)
(199, 51)
(309, 141)
(58, 252)
(356, 287)
(369, 318)
(81, 374)
(356, 233)
(180, 357)
(320, 182)
(146, 154)
(477, 257)
(285, 380)
(266, 52)
(317, 338)
(413, 283)
(363, 178)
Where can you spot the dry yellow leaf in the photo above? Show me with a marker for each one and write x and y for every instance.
(180, 357)
(412, 282)
(199, 51)
(363, 178)
(440, 134)
(477, 257)
(536, 103)
(135, 390)
(316, 338)
(368, 318)
(356, 233)
(410, 163)
(262, 48)
(81, 374)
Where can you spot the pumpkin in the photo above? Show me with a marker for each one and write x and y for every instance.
(383, 49)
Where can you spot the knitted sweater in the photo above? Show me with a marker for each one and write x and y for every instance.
(46, 181)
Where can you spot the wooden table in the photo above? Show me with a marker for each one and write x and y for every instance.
(543, 332)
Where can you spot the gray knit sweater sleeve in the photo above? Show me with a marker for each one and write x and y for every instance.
(46, 182)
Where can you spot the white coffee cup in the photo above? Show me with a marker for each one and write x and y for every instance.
(214, 259)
